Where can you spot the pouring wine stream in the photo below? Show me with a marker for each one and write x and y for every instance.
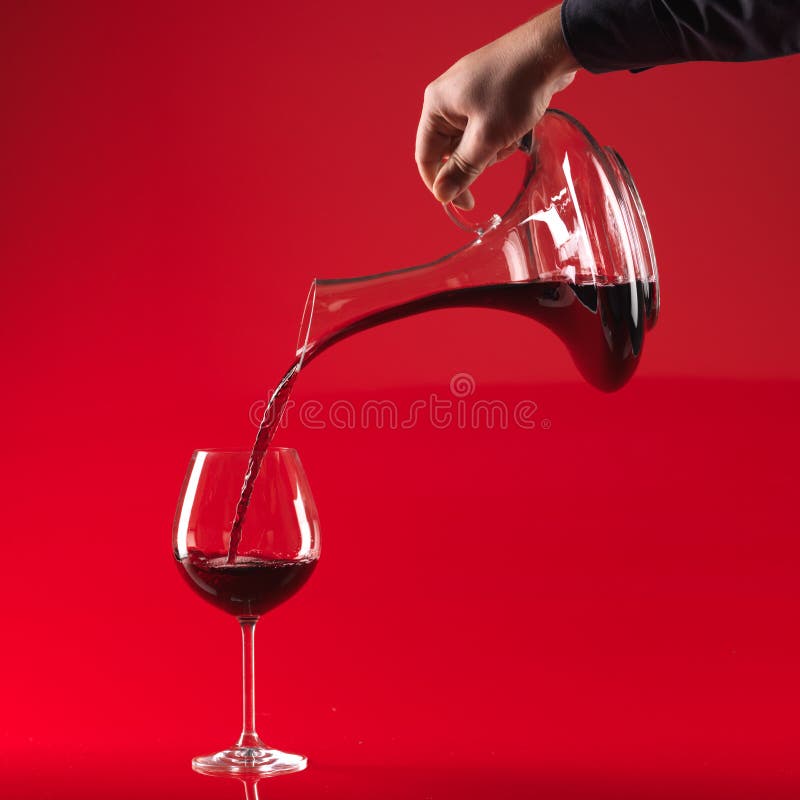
(572, 252)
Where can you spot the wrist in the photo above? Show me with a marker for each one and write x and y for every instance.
(549, 47)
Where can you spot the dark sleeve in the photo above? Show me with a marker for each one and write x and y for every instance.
(607, 35)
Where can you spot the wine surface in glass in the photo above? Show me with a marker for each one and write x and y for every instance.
(250, 586)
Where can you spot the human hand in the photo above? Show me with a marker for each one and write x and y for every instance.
(475, 113)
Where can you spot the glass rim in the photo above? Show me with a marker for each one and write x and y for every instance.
(230, 451)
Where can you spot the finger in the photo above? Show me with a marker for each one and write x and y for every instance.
(465, 201)
(503, 154)
(471, 156)
(436, 140)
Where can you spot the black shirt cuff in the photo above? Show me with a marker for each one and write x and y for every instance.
(607, 35)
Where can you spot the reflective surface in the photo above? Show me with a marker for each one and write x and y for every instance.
(494, 608)
(370, 782)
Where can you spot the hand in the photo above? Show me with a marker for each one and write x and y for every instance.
(475, 113)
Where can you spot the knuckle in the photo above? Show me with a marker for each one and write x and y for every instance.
(494, 134)
(465, 166)
(431, 90)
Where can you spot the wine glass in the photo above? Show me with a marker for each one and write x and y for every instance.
(277, 550)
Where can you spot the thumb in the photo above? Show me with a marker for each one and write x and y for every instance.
(468, 160)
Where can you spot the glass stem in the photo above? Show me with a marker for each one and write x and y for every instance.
(250, 789)
(249, 737)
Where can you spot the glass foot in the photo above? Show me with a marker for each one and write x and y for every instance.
(263, 761)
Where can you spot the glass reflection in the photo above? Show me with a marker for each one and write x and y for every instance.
(249, 782)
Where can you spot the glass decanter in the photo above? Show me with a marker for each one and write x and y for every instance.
(573, 251)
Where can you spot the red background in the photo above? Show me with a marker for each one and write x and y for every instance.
(605, 608)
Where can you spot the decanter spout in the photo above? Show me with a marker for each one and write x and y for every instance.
(338, 308)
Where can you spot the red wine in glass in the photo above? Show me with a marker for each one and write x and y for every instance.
(249, 587)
